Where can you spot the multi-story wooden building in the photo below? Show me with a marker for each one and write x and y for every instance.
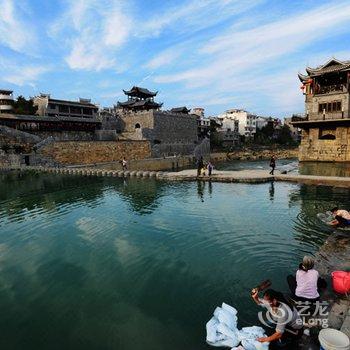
(326, 125)
(50, 107)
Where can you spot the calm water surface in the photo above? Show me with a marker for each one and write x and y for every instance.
(106, 263)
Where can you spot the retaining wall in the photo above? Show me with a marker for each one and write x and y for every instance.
(85, 152)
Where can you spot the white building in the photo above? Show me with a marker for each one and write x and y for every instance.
(203, 127)
(228, 132)
(6, 101)
(198, 111)
(261, 122)
(247, 121)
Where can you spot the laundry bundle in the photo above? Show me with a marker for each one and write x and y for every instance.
(222, 330)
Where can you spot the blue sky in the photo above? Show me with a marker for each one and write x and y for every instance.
(216, 54)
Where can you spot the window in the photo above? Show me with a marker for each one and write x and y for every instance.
(75, 110)
(63, 109)
(87, 111)
(137, 126)
(327, 137)
(330, 107)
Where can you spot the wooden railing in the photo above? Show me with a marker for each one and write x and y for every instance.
(330, 88)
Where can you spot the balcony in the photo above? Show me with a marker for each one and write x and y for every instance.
(296, 118)
(328, 89)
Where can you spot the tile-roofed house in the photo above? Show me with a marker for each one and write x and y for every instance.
(183, 109)
(52, 107)
(326, 126)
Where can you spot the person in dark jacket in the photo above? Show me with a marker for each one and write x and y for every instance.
(272, 164)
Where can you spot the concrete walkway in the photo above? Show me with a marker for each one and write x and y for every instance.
(259, 176)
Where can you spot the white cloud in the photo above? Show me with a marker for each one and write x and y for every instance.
(21, 73)
(93, 31)
(258, 62)
(236, 52)
(166, 57)
(15, 33)
(194, 15)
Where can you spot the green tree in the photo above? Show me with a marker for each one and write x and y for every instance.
(23, 106)
(284, 136)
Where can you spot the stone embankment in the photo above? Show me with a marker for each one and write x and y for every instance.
(256, 154)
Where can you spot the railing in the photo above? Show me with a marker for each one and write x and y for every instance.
(330, 88)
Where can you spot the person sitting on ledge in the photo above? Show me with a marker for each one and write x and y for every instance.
(341, 217)
(305, 285)
(285, 319)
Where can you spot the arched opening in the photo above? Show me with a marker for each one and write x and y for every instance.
(137, 126)
(327, 137)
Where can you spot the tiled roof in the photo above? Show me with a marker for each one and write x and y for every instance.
(137, 91)
(332, 65)
(75, 103)
(183, 109)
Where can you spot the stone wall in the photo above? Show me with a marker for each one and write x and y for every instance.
(80, 152)
(130, 120)
(12, 160)
(312, 148)
(66, 135)
(263, 154)
(169, 133)
(312, 103)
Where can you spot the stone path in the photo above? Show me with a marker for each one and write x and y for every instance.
(244, 176)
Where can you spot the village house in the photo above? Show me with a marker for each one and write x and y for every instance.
(6, 101)
(50, 107)
(326, 125)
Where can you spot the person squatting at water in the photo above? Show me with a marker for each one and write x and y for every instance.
(341, 217)
(272, 164)
(286, 320)
(305, 285)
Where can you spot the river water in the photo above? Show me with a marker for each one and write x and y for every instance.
(107, 263)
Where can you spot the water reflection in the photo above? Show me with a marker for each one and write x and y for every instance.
(35, 193)
(272, 190)
(142, 194)
(325, 168)
(200, 190)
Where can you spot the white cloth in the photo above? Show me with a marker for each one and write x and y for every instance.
(222, 331)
